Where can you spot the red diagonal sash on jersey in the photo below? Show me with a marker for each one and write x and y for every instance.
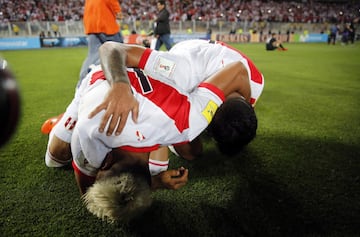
(96, 76)
(174, 104)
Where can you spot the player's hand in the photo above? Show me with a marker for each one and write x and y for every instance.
(171, 179)
(118, 103)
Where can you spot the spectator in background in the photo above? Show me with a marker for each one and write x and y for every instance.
(208, 33)
(273, 43)
(332, 35)
(345, 34)
(162, 27)
(41, 37)
(352, 30)
(100, 23)
(55, 29)
(15, 29)
(257, 11)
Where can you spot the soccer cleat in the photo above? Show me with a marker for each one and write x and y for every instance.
(50, 123)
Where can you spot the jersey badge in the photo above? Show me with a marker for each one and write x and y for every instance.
(210, 110)
(164, 66)
(70, 124)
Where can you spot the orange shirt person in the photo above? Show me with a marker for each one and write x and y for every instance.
(100, 24)
(100, 16)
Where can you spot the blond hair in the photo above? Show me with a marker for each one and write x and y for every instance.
(118, 198)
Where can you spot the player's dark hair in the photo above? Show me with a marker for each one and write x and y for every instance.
(233, 126)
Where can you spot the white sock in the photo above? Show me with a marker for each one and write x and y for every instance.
(52, 162)
(157, 166)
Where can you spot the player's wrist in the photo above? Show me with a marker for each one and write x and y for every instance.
(121, 85)
(120, 79)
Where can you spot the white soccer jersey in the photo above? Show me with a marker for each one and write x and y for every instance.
(166, 116)
(190, 62)
(173, 107)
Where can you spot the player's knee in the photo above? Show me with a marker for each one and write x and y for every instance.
(53, 162)
(58, 153)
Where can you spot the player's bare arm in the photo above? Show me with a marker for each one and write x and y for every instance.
(232, 78)
(190, 150)
(118, 103)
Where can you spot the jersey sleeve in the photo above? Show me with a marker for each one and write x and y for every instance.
(144, 58)
(205, 101)
(172, 69)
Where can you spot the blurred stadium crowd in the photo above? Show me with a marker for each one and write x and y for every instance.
(305, 11)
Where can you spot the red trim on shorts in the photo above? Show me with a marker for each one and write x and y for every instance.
(84, 176)
(140, 149)
(214, 89)
(144, 58)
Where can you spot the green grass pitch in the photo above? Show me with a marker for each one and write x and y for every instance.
(299, 177)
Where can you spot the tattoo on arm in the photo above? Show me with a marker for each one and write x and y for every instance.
(115, 67)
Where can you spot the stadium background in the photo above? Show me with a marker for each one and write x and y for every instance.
(22, 22)
(299, 177)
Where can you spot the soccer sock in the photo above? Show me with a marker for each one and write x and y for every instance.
(157, 166)
(52, 162)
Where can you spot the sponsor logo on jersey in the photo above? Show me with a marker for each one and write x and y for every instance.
(210, 110)
(164, 66)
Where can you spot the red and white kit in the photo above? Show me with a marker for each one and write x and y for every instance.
(166, 116)
(190, 62)
(175, 104)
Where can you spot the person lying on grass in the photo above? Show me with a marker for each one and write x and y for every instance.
(168, 110)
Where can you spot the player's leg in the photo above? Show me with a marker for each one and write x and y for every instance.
(58, 152)
(158, 43)
(270, 46)
(167, 41)
(278, 44)
(159, 160)
(188, 151)
(92, 57)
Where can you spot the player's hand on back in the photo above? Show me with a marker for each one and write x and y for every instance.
(118, 103)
